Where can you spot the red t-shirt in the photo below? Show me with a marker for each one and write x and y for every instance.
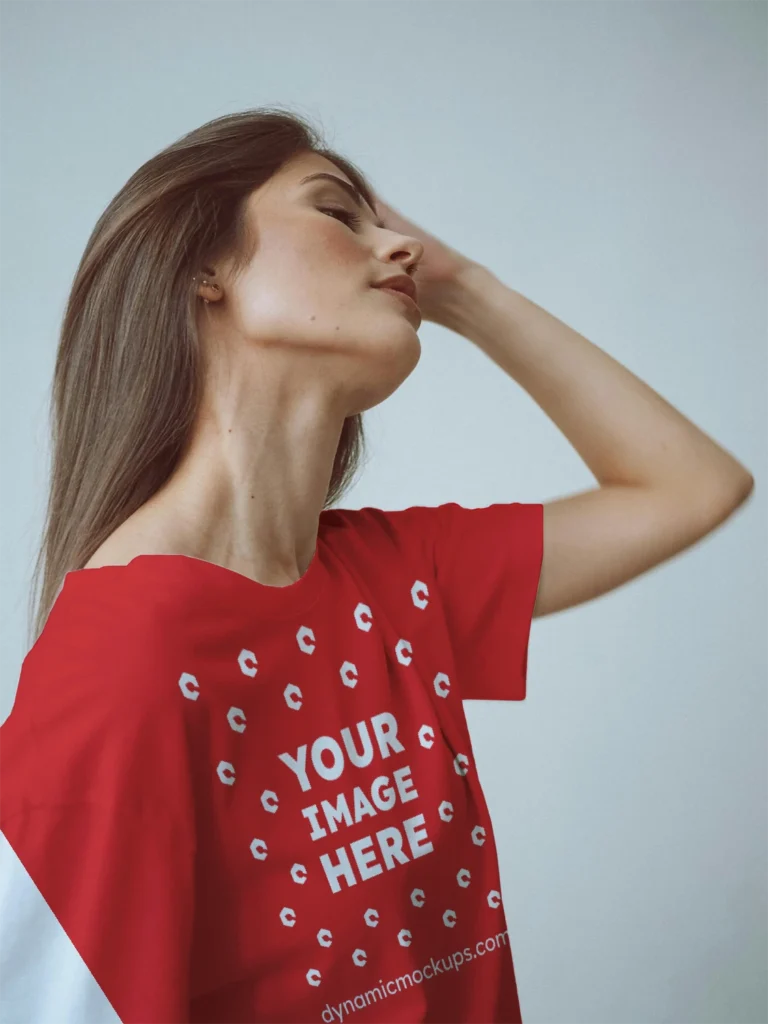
(224, 801)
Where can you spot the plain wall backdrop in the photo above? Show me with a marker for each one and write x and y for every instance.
(607, 160)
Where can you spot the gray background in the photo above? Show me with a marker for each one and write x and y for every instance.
(608, 160)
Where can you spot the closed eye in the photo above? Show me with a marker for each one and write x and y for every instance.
(349, 217)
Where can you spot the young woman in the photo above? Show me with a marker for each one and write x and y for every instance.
(238, 783)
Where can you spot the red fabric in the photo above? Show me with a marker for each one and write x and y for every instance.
(249, 803)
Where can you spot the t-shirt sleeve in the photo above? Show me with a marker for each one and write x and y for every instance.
(487, 565)
(96, 912)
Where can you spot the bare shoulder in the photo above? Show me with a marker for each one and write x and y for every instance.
(105, 555)
(130, 539)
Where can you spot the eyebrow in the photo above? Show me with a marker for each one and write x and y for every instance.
(353, 193)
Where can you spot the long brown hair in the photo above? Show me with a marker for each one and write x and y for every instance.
(128, 376)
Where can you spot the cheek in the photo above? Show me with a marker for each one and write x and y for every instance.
(292, 301)
(301, 279)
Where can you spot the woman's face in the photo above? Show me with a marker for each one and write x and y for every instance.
(306, 299)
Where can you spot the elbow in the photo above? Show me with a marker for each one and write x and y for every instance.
(742, 488)
(721, 499)
(745, 493)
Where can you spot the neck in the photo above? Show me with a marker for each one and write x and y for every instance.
(249, 490)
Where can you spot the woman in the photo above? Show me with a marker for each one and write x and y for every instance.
(238, 770)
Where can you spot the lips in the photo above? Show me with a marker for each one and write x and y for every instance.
(400, 283)
(404, 300)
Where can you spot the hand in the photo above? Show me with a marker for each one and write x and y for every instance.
(438, 270)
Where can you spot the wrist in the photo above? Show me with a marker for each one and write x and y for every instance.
(465, 297)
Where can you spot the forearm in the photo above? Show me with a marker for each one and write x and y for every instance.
(624, 431)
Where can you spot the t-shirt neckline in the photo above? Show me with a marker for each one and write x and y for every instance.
(214, 581)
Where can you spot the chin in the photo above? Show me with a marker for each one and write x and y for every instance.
(386, 371)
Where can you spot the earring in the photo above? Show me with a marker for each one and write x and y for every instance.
(204, 281)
